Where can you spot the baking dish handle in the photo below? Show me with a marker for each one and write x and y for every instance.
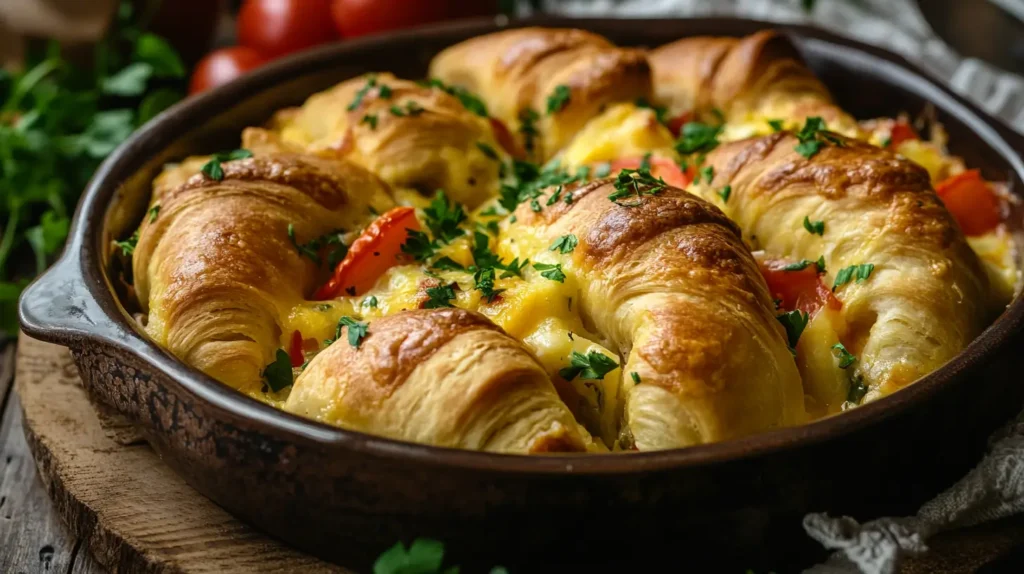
(58, 306)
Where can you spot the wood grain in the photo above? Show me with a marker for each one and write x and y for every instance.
(132, 512)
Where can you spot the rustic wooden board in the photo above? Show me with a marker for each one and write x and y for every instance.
(134, 514)
(131, 511)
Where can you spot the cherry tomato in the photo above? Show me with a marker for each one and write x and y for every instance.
(660, 167)
(803, 289)
(971, 201)
(901, 132)
(361, 17)
(675, 125)
(222, 66)
(275, 28)
(295, 349)
(375, 251)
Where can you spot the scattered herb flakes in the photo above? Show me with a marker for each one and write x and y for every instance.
(725, 193)
(564, 244)
(419, 245)
(468, 100)
(128, 245)
(886, 142)
(307, 249)
(439, 297)
(483, 281)
(708, 173)
(213, 169)
(370, 302)
(859, 272)
(528, 128)
(488, 151)
(514, 268)
(794, 322)
(411, 109)
(558, 99)
(798, 266)
(814, 227)
(660, 113)
(357, 101)
(845, 357)
(550, 271)
(697, 137)
(444, 218)
(153, 213)
(424, 556)
(356, 330)
(776, 125)
(808, 149)
(278, 375)
(635, 182)
(635, 376)
(820, 263)
(370, 120)
(594, 365)
(857, 390)
(557, 195)
(448, 264)
(809, 137)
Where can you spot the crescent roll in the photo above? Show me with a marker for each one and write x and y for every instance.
(751, 80)
(913, 292)
(666, 281)
(216, 270)
(552, 79)
(446, 377)
(412, 136)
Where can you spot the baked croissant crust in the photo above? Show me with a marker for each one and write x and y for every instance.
(412, 136)
(447, 377)
(563, 77)
(755, 78)
(668, 282)
(215, 269)
(926, 296)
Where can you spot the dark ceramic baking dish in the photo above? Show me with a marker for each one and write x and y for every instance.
(346, 496)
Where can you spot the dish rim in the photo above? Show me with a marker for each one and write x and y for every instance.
(82, 262)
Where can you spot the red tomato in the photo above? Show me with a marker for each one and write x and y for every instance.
(971, 201)
(675, 125)
(660, 167)
(371, 255)
(361, 17)
(803, 290)
(278, 27)
(901, 132)
(222, 66)
(295, 349)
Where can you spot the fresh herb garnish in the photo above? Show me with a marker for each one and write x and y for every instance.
(483, 281)
(313, 247)
(859, 272)
(845, 357)
(725, 193)
(564, 244)
(370, 120)
(707, 172)
(594, 365)
(153, 213)
(558, 99)
(550, 271)
(440, 296)
(810, 137)
(776, 125)
(448, 264)
(424, 556)
(887, 142)
(370, 302)
(794, 322)
(636, 182)
(213, 169)
(514, 268)
(528, 128)
(814, 227)
(371, 83)
(128, 245)
(278, 374)
(660, 113)
(444, 218)
(698, 137)
(411, 109)
(857, 390)
(488, 151)
(419, 245)
(468, 100)
(635, 376)
(356, 330)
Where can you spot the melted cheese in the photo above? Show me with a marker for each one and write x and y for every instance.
(622, 131)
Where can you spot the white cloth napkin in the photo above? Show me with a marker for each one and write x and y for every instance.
(995, 488)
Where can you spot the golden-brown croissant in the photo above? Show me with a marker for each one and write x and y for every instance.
(666, 281)
(215, 266)
(913, 293)
(546, 83)
(412, 136)
(446, 377)
(751, 80)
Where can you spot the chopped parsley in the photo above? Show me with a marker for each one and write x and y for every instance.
(776, 125)
(820, 263)
(708, 173)
(887, 142)
(550, 271)
(557, 195)
(798, 266)
(468, 100)
(153, 212)
(810, 137)
(564, 244)
(814, 227)
(448, 264)
(424, 556)
(370, 120)
(488, 151)
(725, 193)
(356, 330)
(660, 113)
(484, 282)
(440, 296)
(859, 272)
(845, 357)
(444, 218)
(698, 137)
(514, 268)
(794, 322)
(419, 245)
(213, 169)
(370, 302)
(411, 109)
(558, 99)
(636, 377)
(528, 128)
(313, 247)
(626, 185)
(593, 365)
(278, 374)
(128, 245)
(857, 390)
(358, 100)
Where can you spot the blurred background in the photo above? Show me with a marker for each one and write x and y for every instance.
(79, 76)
